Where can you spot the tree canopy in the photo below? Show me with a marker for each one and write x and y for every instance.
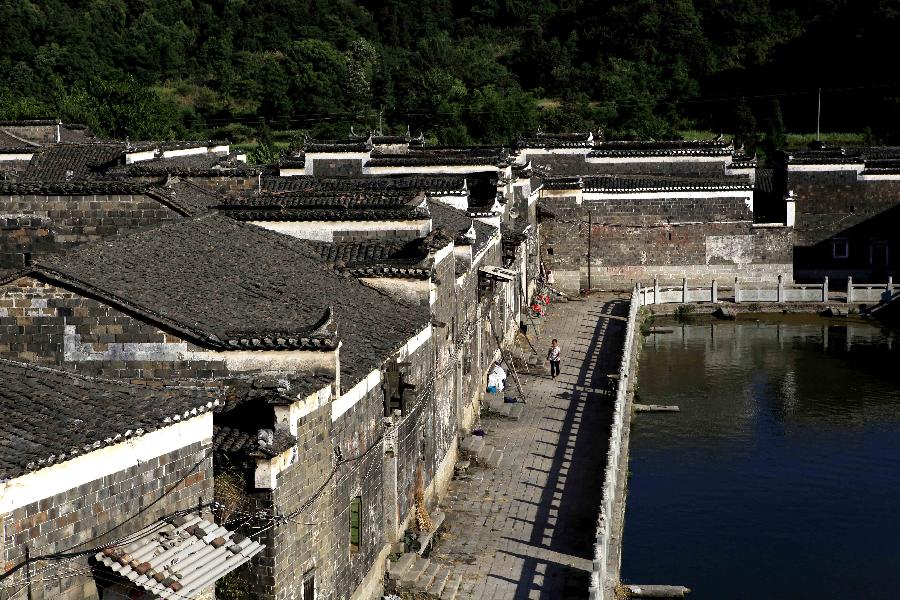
(463, 72)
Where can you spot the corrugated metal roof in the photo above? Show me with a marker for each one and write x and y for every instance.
(178, 557)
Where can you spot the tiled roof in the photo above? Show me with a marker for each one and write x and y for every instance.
(11, 142)
(50, 416)
(459, 223)
(90, 187)
(631, 184)
(229, 285)
(179, 557)
(259, 444)
(442, 156)
(196, 165)
(141, 146)
(307, 184)
(190, 197)
(563, 183)
(874, 157)
(359, 205)
(65, 162)
(355, 144)
(764, 181)
(72, 133)
(379, 258)
(558, 140)
(620, 148)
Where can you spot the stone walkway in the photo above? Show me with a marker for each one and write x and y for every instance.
(526, 528)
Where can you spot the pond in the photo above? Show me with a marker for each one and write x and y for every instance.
(780, 477)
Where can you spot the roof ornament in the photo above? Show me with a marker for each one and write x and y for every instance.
(470, 232)
(353, 133)
(601, 136)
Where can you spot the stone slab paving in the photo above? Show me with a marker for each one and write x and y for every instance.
(526, 528)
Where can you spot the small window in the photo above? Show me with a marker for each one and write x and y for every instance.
(309, 585)
(355, 525)
(840, 249)
(550, 250)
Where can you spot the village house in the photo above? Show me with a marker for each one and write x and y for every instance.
(91, 469)
(614, 213)
(845, 203)
(342, 383)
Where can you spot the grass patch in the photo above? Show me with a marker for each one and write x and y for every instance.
(684, 313)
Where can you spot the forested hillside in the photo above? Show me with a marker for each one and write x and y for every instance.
(461, 71)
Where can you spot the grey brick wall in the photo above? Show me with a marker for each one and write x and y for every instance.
(668, 238)
(33, 321)
(100, 512)
(76, 219)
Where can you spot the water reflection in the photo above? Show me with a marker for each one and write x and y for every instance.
(780, 476)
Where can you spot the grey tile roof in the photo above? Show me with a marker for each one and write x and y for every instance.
(459, 223)
(9, 141)
(237, 442)
(350, 205)
(382, 258)
(198, 165)
(66, 162)
(228, 285)
(179, 557)
(621, 148)
(91, 187)
(50, 416)
(307, 184)
(874, 157)
(558, 140)
(631, 184)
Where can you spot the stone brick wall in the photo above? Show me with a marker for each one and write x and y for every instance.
(835, 205)
(22, 237)
(76, 219)
(669, 239)
(575, 164)
(100, 512)
(356, 235)
(48, 324)
(333, 167)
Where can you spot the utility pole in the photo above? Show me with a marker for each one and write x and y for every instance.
(819, 115)
(590, 227)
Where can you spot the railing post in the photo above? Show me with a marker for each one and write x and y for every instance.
(890, 285)
(714, 292)
(780, 289)
(825, 290)
(655, 290)
(737, 291)
(849, 289)
(684, 291)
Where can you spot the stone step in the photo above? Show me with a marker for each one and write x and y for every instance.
(424, 581)
(415, 571)
(515, 411)
(440, 580)
(451, 587)
(472, 444)
(492, 459)
(423, 540)
(397, 568)
(484, 456)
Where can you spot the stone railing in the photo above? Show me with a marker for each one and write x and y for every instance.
(756, 292)
(600, 588)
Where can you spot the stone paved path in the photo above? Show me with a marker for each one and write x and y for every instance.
(526, 528)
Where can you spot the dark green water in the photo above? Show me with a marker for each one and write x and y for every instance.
(780, 477)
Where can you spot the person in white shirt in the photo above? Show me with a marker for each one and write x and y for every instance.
(553, 355)
(497, 377)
